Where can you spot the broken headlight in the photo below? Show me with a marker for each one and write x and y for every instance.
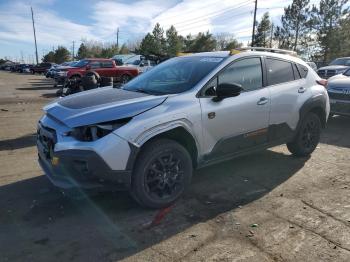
(93, 132)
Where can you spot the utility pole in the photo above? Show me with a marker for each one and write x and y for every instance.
(271, 35)
(36, 47)
(253, 34)
(118, 37)
(73, 51)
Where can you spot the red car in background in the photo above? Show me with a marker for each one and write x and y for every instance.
(103, 67)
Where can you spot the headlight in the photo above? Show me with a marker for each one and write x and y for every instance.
(97, 131)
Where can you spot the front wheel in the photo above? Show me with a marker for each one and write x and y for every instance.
(308, 136)
(162, 173)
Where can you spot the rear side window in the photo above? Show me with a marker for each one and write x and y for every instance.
(279, 71)
(95, 64)
(302, 70)
(107, 64)
(296, 72)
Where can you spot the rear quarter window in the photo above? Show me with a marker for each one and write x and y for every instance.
(279, 71)
(303, 70)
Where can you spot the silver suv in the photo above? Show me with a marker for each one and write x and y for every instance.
(185, 113)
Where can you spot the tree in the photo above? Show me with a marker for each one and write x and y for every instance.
(147, 46)
(226, 41)
(263, 32)
(124, 50)
(159, 40)
(327, 20)
(49, 57)
(174, 43)
(61, 55)
(82, 52)
(295, 28)
(203, 42)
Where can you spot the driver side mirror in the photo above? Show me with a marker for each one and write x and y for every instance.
(226, 90)
(88, 67)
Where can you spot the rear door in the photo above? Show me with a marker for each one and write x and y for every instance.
(236, 123)
(288, 89)
(109, 70)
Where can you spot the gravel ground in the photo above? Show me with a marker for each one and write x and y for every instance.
(268, 206)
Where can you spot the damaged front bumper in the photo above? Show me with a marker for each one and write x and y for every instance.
(69, 163)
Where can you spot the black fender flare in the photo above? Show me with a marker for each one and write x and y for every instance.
(317, 104)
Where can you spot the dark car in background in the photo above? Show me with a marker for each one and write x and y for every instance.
(339, 93)
(41, 68)
(336, 67)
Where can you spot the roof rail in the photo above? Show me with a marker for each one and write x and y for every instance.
(263, 49)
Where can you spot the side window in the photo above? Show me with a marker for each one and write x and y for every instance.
(279, 71)
(246, 72)
(302, 70)
(296, 72)
(95, 65)
(107, 64)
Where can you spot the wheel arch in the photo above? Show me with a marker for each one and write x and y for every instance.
(317, 105)
(179, 134)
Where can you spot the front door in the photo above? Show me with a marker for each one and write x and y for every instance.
(237, 123)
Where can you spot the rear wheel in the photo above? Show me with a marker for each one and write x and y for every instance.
(308, 136)
(162, 173)
(125, 78)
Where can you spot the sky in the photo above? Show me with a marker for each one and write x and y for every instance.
(60, 22)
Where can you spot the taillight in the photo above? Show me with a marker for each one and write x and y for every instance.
(322, 82)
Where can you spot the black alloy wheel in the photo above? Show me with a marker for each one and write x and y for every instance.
(163, 171)
(308, 136)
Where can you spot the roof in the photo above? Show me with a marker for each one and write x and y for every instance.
(97, 59)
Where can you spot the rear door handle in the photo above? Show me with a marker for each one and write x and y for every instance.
(301, 90)
(262, 101)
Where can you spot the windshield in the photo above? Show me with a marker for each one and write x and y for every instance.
(81, 63)
(341, 61)
(174, 76)
(136, 62)
(347, 72)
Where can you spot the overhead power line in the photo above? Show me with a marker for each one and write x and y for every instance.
(214, 14)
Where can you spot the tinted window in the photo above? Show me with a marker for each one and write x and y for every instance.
(347, 72)
(95, 64)
(246, 72)
(296, 72)
(302, 70)
(341, 61)
(279, 71)
(174, 76)
(107, 64)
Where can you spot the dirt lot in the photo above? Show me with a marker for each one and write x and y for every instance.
(268, 206)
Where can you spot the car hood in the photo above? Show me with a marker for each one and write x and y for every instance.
(101, 105)
(333, 67)
(340, 82)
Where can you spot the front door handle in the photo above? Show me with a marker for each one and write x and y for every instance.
(262, 101)
(301, 90)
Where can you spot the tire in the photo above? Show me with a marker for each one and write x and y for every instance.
(124, 79)
(308, 136)
(162, 173)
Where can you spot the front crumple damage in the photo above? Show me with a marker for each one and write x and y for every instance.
(101, 105)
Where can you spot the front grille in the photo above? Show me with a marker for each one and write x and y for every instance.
(326, 73)
(339, 96)
(47, 138)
